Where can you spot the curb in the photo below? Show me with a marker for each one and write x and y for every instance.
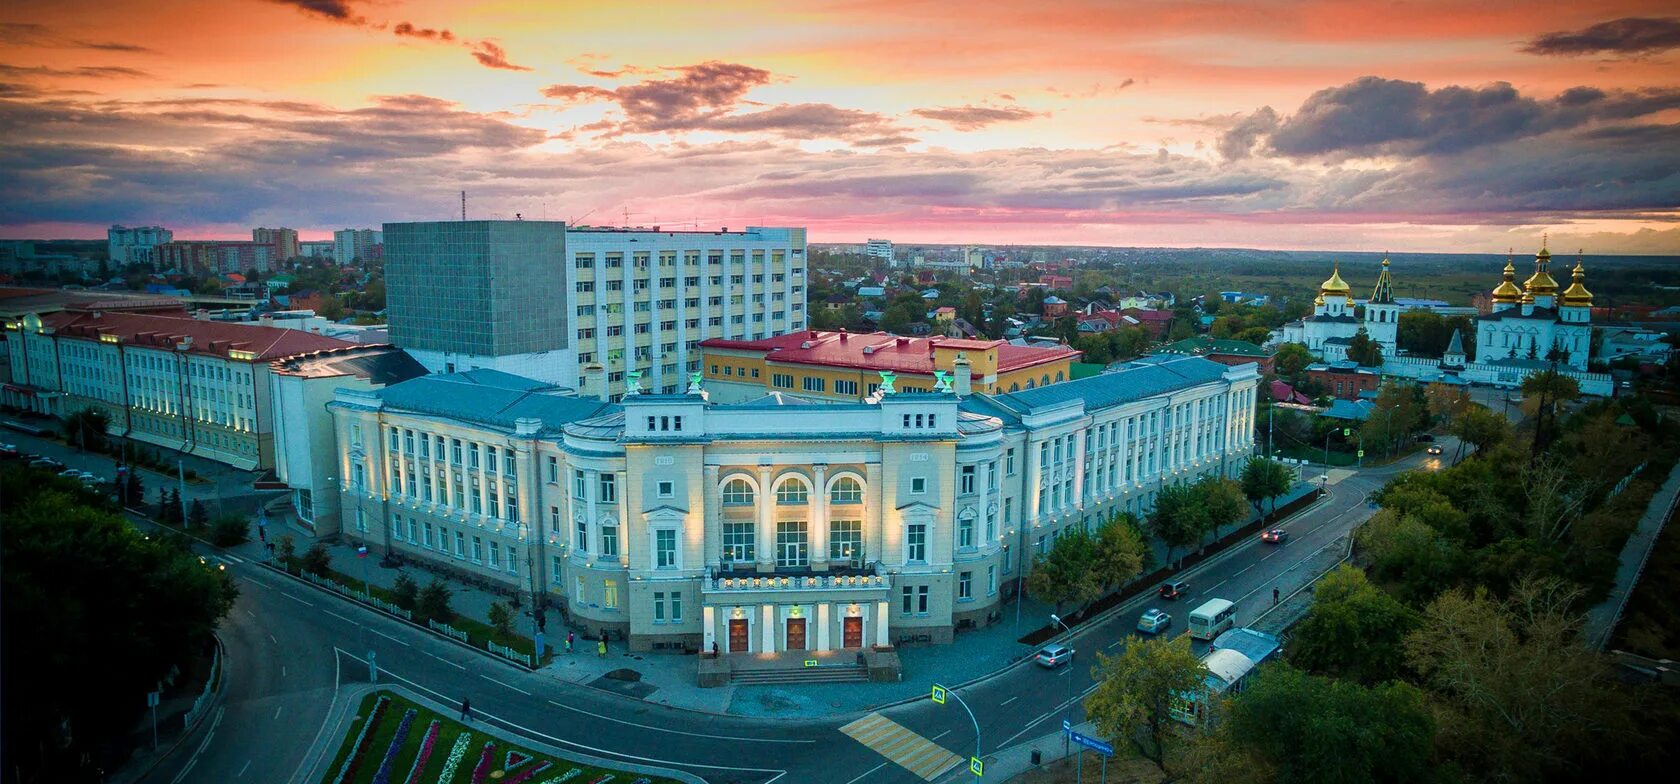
(218, 690)
(1092, 623)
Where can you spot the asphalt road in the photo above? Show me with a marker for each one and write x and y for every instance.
(289, 646)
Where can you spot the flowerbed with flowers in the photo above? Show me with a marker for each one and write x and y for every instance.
(382, 749)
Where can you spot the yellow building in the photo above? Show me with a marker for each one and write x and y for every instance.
(847, 367)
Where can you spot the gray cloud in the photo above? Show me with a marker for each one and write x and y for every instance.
(1372, 116)
(86, 71)
(974, 118)
(489, 55)
(31, 34)
(331, 10)
(1628, 36)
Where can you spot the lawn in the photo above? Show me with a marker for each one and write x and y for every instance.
(507, 763)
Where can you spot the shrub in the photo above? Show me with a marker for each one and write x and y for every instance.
(196, 516)
(230, 530)
(501, 618)
(287, 548)
(316, 561)
(433, 602)
(405, 592)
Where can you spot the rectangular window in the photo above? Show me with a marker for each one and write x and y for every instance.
(738, 542)
(455, 451)
(845, 540)
(477, 550)
(460, 544)
(609, 594)
(496, 556)
(472, 456)
(477, 506)
(791, 544)
(609, 489)
(842, 387)
(425, 445)
(965, 586)
(556, 569)
(427, 532)
(991, 581)
(966, 487)
(918, 485)
(908, 599)
(814, 384)
(665, 548)
(609, 539)
(921, 600)
(513, 560)
(408, 442)
(658, 607)
(489, 460)
(580, 484)
(394, 437)
(965, 531)
(916, 543)
(676, 607)
(581, 541)
(553, 470)
(667, 488)
(782, 380)
(578, 589)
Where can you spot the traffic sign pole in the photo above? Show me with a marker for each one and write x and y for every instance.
(975, 764)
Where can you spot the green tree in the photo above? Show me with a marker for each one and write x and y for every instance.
(1353, 631)
(1121, 553)
(1364, 350)
(1067, 573)
(86, 428)
(1310, 730)
(1222, 504)
(1481, 428)
(1522, 698)
(1136, 690)
(230, 530)
(95, 615)
(1265, 479)
(1131, 342)
(332, 308)
(133, 491)
(1256, 335)
(405, 592)
(286, 548)
(316, 561)
(1178, 518)
(196, 516)
(433, 602)
(1181, 328)
(1409, 556)
(1291, 360)
(501, 618)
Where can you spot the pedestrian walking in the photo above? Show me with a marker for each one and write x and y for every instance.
(570, 638)
(601, 648)
(466, 710)
(1274, 597)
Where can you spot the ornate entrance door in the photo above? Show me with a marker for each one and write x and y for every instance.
(796, 634)
(738, 635)
(851, 633)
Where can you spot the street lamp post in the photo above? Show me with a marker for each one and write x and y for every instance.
(1066, 716)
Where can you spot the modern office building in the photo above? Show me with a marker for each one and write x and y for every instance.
(284, 240)
(134, 244)
(774, 524)
(352, 244)
(844, 366)
(880, 249)
(186, 384)
(541, 300)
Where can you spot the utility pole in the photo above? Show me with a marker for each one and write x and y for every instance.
(181, 482)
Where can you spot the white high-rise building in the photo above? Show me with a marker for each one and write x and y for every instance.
(352, 244)
(880, 249)
(134, 244)
(635, 301)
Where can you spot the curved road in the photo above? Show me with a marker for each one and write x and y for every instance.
(289, 647)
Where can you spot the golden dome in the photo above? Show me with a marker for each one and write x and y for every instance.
(1541, 282)
(1577, 294)
(1335, 285)
(1507, 291)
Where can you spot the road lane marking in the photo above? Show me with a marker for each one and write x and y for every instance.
(277, 709)
(1011, 699)
(243, 769)
(557, 740)
(1244, 569)
(504, 683)
(900, 745)
(1268, 555)
(1115, 644)
(867, 773)
(340, 617)
(1216, 585)
(282, 670)
(446, 661)
(296, 599)
(389, 637)
(674, 732)
(252, 614)
(272, 640)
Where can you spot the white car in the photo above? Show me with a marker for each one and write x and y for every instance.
(1053, 656)
(1153, 621)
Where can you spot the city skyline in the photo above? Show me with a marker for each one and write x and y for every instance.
(1311, 126)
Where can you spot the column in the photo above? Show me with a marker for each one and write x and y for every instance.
(881, 623)
(1079, 437)
(621, 510)
(769, 624)
(872, 503)
(708, 627)
(484, 484)
(712, 516)
(819, 520)
(766, 501)
(822, 626)
(592, 522)
(1035, 481)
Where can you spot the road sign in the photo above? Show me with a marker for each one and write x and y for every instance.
(810, 662)
(1347, 431)
(977, 767)
(1067, 726)
(939, 694)
(1092, 743)
(152, 698)
(1361, 453)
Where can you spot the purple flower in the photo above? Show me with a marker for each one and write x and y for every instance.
(383, 775)
(351, 762)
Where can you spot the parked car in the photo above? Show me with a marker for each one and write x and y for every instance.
(1275, 536)
(1174, 588)
(1053, 656)
(1434, 449)
(1153, 621)
(8, 450)
(45, 462)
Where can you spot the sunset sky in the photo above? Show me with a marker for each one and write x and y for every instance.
(1438, 125)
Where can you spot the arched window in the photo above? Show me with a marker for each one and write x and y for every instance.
(846, 490)
(1029, 383)
(792, 492)
(1045, 381)
(1059, 377)
(738, 491)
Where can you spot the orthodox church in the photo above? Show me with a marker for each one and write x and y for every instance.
(1333, 323)
(1528, 322)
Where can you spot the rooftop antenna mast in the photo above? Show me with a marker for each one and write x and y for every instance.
(463, 205)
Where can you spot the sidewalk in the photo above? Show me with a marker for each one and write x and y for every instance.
(1602, 618)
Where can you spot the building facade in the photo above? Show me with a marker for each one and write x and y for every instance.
(352, 244)
(636, 301)
(196, 386)
(1335, 319)
(284, 240)
(216, 257)
(1529, 322)
(135, 244)
(846, 367)
(775, 524)
(880, 249)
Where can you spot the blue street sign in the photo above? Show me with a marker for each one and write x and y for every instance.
(1091, 743)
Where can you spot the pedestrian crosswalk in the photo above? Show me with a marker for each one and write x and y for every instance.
(907, 749)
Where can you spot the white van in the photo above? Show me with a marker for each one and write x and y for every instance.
(1213, 617)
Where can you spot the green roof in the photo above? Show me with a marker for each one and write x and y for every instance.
(1085, 369)
(1200, 346)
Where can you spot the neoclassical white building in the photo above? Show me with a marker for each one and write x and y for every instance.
(775, 524)
(1335, 321)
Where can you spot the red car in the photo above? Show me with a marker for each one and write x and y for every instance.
(1274, 536)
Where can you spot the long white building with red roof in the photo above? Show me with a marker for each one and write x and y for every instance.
(186, 384)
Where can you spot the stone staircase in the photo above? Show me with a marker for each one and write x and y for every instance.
(831, 673)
